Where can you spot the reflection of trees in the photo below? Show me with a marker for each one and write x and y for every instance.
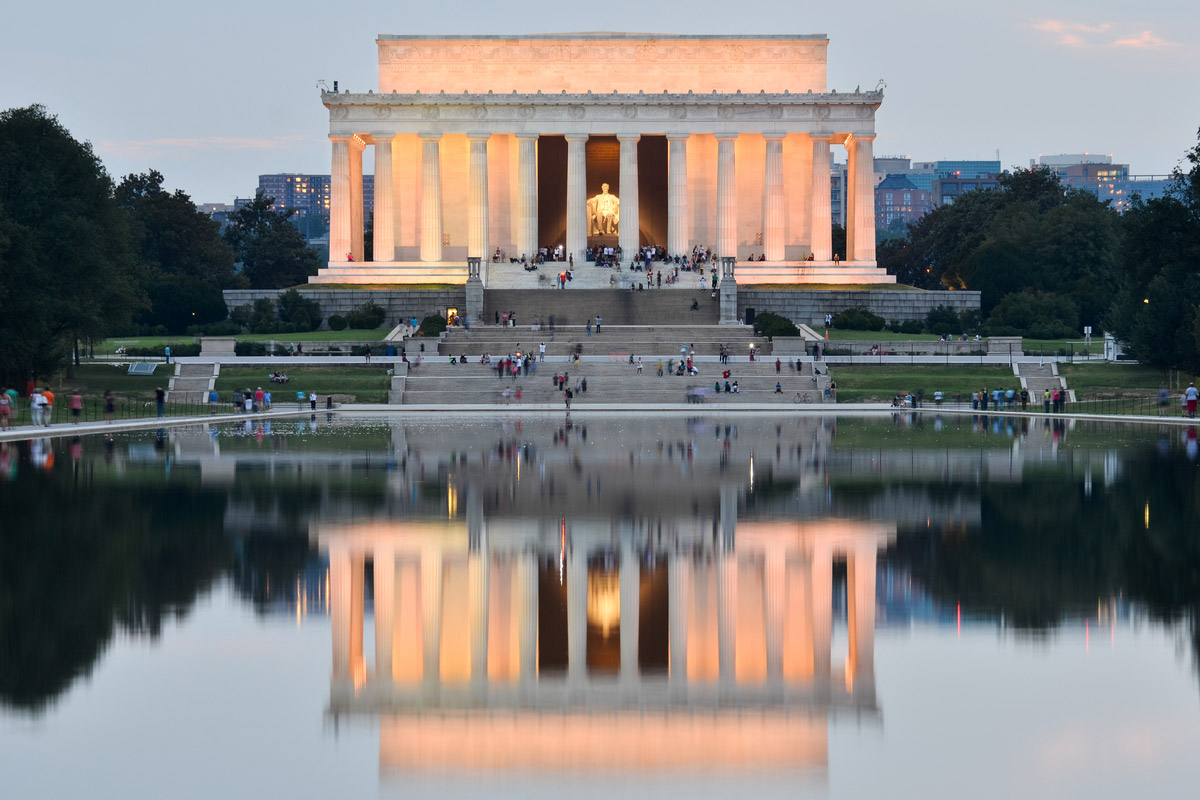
(1046, 549)
(76, 565)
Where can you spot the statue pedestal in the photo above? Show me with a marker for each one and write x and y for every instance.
(474, 299)
(604, 241)
(729, 303)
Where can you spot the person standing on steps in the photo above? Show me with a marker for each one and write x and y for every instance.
(598, 321)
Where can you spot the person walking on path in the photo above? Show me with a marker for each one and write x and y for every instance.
(35, 407)
(778, 365)
(76, 406)
(110, 405)
(639, 365)
(312, 401)
(1192, 396)
(367, 353)
(160, 400)
(167, 353)
(47, 406)
(6, 408)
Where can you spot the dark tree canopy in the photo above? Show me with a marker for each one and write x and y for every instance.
(273, 253)
(66, 267)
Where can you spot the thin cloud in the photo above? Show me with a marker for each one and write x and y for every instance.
(1069, 33)
(140, 148)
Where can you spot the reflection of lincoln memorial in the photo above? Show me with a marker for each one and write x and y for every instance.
(590, 644)
(492, 143)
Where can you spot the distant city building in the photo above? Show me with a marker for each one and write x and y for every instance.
(308, 197)
(898, 198)
(1098, 174)
(948, 188)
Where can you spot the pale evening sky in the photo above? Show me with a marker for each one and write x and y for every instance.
(213, 93)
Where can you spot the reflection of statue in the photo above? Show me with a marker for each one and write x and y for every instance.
(604, 213)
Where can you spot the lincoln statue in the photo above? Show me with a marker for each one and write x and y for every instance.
(604, 213)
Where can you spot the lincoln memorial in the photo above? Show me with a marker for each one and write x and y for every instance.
(494, 148)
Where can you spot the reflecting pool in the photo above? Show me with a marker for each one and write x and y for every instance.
(710, 606)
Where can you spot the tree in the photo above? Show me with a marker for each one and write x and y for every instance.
(1155, 312)
(184, 259)
(66, 264)
(272, 251)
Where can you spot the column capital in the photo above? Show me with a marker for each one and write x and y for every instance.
(860, 137)
(478, 137)
(337, 138)
(678, 137)
(827, 138)
(523, 135)
(575, 137)
(629, 137)
(726, 137)
(430, 137)
(774, 136)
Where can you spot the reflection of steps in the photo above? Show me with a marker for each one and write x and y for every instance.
(1037, 378)
(192, 382)
(613, 340)
(614, 381)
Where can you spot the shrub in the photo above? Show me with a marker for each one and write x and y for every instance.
(858, 319)
(366, 317)
(945, 317)
(337, 322)
(182, 349)
(772, 325)
(250, 349)
(1040, 315)
(909, 326)
(432, 325)
(299, 310)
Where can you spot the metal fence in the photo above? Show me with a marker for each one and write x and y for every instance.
(131, 408)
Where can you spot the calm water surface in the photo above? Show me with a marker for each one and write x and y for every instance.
(700, 607)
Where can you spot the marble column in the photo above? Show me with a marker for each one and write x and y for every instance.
(384, 571)
(527, 195)
(576, 195)
(431, 197)
(727, 205)
(339, 201)
(630, 586)
(356, 198)
(477, 197)
(385, 211)
(677, 195)
(431, 613)
(629, 231)
(851, 192)
(820, 215)
(773, 211)
(863, 211)
(679, 574)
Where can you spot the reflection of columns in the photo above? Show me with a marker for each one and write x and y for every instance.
(356, 198)
(431, 197)
(729, 513)
(631, 585)
(577, 590)
(774, 211)
(477, 197)
(385, 609)
(726, 195)
(478, 563)
(820, 235)
(384, 212)
(528, 575)
(861, 246)
(821, 582)
(339, 605)
(860, 613)
(727, 608)
(576, 194)
(431, 612)
(339, 201)
(629, 236)
(678, 580)
(677, 196)
(527, 198)
(775, 579)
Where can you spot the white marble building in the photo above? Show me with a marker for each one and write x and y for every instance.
(486, 144)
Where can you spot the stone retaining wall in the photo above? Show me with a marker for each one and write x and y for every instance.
(810, 306)
(400, 304)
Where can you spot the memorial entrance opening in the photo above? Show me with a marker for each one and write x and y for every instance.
(505, 149)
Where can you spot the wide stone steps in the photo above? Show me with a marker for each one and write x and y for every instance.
(616, 307)
(646, 341)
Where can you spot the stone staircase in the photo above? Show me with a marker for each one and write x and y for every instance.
(192, 382)
(575, 306)
(616, 381)
(613, 341)
(584, 276)
(1037, 378)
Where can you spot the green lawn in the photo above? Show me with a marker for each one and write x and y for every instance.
(880, 383)
(363, 384)
(109, 346)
